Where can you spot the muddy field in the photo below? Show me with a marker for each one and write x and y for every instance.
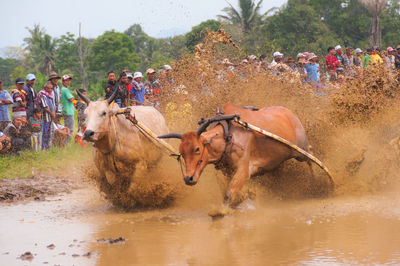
(286, 217)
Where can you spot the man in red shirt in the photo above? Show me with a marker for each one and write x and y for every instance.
(331, 63)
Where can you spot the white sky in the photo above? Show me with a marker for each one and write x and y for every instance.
(61, 16)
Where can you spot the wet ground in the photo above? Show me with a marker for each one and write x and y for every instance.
(81, 228)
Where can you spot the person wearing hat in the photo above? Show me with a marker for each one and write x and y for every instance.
(19, 99)
(53, 78)
(277, 59)
(390, 57)
(68, 110)
(397, 58)
(339, 56)
(5, 100)
(357, 58)
(138, 90)
(30, 95)
(312, 70)
(152, 88)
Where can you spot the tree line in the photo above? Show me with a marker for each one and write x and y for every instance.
(299, 25)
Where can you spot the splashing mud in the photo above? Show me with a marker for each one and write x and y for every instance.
(350, 126)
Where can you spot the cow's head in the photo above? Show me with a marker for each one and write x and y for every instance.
(199, 149)
(98, 115)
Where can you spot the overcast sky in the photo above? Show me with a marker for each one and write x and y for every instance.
(157, 17)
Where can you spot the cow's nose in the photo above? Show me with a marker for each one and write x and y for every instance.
(88, 134)
(189, 181)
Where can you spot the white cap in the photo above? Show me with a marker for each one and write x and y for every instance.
(300, 55)
(277, 54)
(137, 75)
(167, 67)
(337, 47)
(253, 57)
(30, 77)
(358, 50)
(129, 75)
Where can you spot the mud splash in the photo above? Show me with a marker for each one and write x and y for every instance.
(350, 126)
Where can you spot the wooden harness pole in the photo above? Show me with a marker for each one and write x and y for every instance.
(146, 131)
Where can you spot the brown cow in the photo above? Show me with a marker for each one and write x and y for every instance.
(240, 152)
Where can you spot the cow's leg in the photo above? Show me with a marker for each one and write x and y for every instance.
(241, 176)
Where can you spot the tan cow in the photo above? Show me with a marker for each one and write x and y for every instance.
(241, 153)
(120, 149)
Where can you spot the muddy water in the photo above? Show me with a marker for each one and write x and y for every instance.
(341, 230)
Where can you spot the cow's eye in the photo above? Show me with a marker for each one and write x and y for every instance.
(104, 114)
(197, 150)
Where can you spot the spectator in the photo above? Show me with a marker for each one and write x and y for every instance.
(348, 58)
(123, 94)
(339, 56)
(376, 59)
(5, 143)
(357, 58)
(301, 63)
(397, 58)
(111, 84)
(13, 130)
(5, 100)
(81, 107)
(129, 86)
(35, 123)
(367, 57)
(19, 99)
(60, 133)
(277, 59)
(67, 100)
(390, 57)
(53, 78)
(46, 102)
(30, 95)
(331, 64)
(138, 90)
(312, 70)
(152, 88)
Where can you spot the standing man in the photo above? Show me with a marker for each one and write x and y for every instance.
(138, 89)
(45, 100)
(111, 84)
(339, 56)
(277, 59)
(122, 95)
(53, 78)
(19, 98)
(331, 64)
(5, 100)
(152, 88)
(67, 100)
(397, 58)
(30, 95)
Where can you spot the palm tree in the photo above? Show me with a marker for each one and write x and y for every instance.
(376, 8)
(42, 48)
(246, 16)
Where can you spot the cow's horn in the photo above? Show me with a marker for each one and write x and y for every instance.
(113, 96)
(83, 97)
(171, 136)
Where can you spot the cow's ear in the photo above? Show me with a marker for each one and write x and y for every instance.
(208, 138)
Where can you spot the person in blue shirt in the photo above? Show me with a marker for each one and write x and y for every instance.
(312, 70)
(5, 100)
(138, 90)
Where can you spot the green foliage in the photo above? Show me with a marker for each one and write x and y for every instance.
(297, 28)
(7, 67)
(113, 51)
(18, 72)
(196, 35)
(41, 49)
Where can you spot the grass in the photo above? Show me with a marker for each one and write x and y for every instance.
(30, 163)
